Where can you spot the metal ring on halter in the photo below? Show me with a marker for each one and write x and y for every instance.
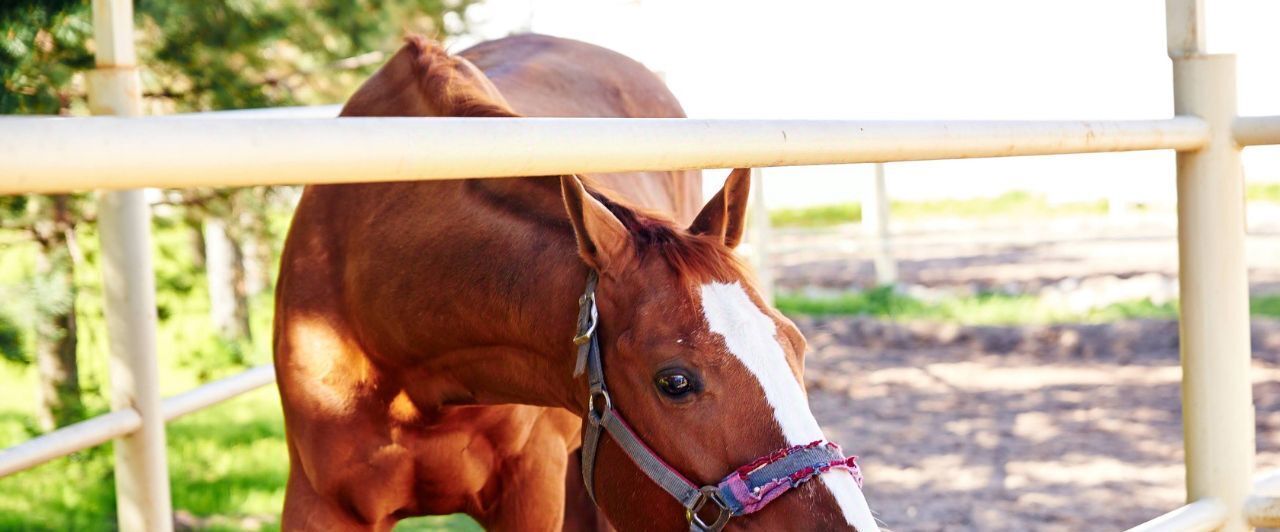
(708, 493)
(598, 417)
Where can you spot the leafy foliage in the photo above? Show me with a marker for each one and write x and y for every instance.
(213, 54)
(11, 341)
(43, 48)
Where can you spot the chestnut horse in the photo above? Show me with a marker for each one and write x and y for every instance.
(423, 330)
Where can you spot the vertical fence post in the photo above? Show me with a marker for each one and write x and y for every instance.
(760, 235)
(1217, 394)
(875, 224)
(124, 225)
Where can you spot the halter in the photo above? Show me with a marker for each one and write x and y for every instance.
(744, 491)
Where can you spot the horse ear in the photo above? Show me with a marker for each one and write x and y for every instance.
(725, 214)
(422, 79)
(603, 242)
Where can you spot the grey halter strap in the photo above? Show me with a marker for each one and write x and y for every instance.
(602, 415)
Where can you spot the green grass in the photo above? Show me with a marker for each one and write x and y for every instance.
(1016, 203)
(986, 309)
(816, 216)
(1265, 306)
(1262, 192)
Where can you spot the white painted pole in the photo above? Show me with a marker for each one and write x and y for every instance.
(1184, 27)
(142, 476)
(875, 224)
(64, 154)
(124, 223)
(760, 235)
(1217, 394)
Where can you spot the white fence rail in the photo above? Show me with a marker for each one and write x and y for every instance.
(69, 439)
(101, 429)
(66, 154)
(1263, 505)
(1257, 130)
(1200, 516)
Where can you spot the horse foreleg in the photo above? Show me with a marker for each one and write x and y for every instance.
(306, 510)
(531, 497)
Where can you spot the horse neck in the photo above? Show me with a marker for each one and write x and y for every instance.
(504, 298)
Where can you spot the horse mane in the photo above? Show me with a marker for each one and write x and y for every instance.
(699, 257)
(441, 79)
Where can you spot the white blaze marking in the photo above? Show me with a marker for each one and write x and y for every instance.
(751, 336)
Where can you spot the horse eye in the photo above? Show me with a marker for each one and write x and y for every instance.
(675, 384)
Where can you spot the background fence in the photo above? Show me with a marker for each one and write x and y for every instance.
(124, 154)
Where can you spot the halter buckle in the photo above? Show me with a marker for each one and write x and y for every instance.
(587, 318)
(707, 493)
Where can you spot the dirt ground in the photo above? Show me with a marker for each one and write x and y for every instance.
(1074, 427)
(1069, 427)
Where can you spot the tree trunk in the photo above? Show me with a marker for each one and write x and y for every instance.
(224, 267)
(194, 229)
(257, 264)
(59, 390)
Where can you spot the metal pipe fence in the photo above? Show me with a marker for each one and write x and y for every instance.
(67, 154)
(96, 431)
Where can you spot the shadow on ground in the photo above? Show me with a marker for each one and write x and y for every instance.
(1017, 428)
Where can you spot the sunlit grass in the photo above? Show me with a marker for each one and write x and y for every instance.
(986, 309)
(1016, 203)
(1263, 192)
(816, 216)
(1009, 204)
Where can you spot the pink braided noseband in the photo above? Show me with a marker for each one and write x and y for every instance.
(752, 486)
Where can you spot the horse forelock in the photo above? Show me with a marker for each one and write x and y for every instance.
(696, 257)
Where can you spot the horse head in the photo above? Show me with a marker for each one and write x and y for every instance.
(696, 379)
